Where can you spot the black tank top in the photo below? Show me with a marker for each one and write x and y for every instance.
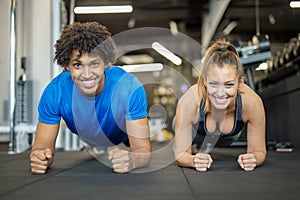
(206, 140)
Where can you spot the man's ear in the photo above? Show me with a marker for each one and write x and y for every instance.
(108, 64)
(66, 68)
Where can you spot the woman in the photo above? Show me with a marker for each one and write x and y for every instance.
(217, 107)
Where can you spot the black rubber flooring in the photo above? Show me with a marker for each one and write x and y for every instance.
(79, 176)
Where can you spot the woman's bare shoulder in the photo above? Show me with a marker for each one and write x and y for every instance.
(190, 96)
(189, 104)
(252, 103)
(249, 96)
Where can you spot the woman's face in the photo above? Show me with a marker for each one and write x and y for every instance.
(87, 73)
(222, 86)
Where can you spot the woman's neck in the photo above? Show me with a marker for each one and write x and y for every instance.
(220, 114)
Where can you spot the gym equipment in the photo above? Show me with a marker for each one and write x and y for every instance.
(256, 52)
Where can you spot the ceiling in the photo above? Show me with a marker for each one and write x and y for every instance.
(274, 18)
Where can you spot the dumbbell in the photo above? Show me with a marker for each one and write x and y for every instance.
(296, 49)
(289, 55)
(276, 63)
(262, 42)
(283, 59)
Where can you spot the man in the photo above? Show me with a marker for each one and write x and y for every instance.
(101, 103)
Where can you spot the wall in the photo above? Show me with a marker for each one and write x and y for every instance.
(38, 46)
(282, 107)
(34, 41)
(4, 55)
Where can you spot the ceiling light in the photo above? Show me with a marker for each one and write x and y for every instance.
(131, 22)
(272, 19)
(150, 67)
(139, 58)
(173, 27)
(103, 9)
(295, 4)
(166, 53)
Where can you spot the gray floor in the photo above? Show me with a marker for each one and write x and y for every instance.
(78, 175)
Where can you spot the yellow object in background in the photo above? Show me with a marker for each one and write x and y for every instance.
(162, 136)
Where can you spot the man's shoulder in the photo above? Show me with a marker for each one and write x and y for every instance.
(64, 75)
(60, 83)
(117, 73)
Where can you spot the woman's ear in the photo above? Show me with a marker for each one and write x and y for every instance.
(205, 82)
(241, 85)
(242, 81)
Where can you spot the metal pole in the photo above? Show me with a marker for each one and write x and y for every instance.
(72, 6)
(257, 17)
(56, 30)
(12, 71)
(250, 77)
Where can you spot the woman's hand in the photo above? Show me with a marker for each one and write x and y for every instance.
(247, 161)
(202, 162)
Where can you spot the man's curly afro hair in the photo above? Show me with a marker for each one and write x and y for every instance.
(90, 37)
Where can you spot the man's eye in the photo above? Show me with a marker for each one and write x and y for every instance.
(94, 64)
(77, 65)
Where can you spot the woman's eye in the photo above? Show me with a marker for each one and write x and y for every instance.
(229, 85)
(213, 84)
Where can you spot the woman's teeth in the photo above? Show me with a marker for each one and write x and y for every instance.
(220, 100)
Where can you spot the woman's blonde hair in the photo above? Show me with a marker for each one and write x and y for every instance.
(219, 54)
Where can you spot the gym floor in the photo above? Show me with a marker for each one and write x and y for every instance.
(78, 175)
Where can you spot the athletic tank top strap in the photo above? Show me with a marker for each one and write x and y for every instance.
(225, 139)
(202, 114)
(239, 108)
(238, 112)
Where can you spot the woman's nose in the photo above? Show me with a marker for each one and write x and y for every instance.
(220, 91)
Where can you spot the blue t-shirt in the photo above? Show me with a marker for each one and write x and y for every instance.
(99, 121)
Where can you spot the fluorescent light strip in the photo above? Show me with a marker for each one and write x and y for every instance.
(166, 53)
(103, 9)
(295, 4)
(150, 67)
(133, 59)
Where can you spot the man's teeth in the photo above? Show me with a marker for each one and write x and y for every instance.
(88, 81)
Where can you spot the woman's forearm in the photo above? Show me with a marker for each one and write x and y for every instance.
(260, 157)
(185, 159)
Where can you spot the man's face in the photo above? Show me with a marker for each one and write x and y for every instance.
(87, 73)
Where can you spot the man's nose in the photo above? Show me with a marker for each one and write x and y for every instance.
(86, 71)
